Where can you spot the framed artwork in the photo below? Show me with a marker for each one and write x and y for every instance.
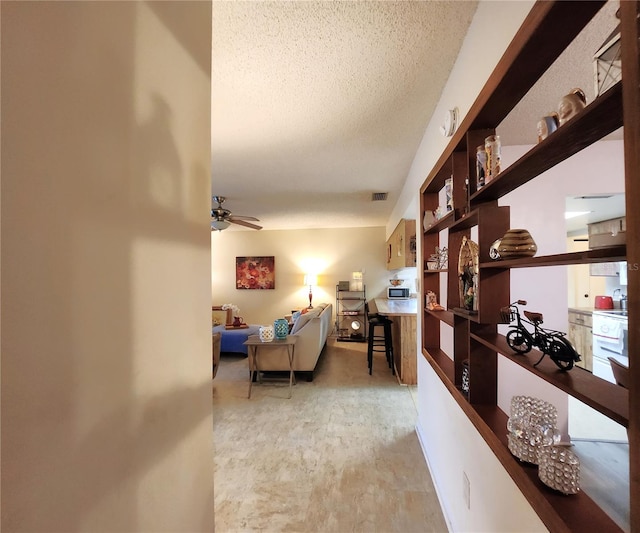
(255, 272)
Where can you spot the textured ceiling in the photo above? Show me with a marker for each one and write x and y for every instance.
(316, 105)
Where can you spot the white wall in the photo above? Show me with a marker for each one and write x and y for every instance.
(450, 442)
(106, 347)
(333, 253)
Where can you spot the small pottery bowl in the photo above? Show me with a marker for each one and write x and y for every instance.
(396, 282)
(517, 243)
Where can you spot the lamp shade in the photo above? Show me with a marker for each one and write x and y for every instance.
(219, 224)
(310, 279)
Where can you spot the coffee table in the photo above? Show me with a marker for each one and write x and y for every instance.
(255, 345)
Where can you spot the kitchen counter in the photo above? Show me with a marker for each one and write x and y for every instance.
(397, 307)
(404, 314)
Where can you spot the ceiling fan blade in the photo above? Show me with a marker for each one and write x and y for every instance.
(245, 224)
(241, 217)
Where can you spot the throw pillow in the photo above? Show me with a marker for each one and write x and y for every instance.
(301, 321)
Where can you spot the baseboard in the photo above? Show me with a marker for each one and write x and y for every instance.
(435, 484)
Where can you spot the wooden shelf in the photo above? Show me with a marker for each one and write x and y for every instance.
(607, 398)
(444, 316)
(442, 364)
(546, 32)
(463, 314)
(598, 119)
(466, 222)
(437, 271)
(510, 81)
(582, 515)
(559, 512)
(440, 224)
(601, 255)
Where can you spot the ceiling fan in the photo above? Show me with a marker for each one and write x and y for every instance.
(221, 218)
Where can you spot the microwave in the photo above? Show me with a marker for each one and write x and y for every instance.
(397, 293)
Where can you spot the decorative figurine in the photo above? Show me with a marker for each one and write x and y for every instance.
(468, 275)
(439, 260)
(550, 342)
(571, 104)
(428, 220)
(547, 125)
(432, 302)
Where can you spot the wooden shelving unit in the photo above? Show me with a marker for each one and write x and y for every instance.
(547, 31)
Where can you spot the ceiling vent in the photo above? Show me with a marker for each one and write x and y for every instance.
(379, 196)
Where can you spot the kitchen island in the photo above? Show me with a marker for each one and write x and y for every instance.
(404, 314)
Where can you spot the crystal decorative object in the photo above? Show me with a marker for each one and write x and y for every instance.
(531, 425)
(559, 468)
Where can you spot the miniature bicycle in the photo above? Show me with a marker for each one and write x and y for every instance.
(550, 342)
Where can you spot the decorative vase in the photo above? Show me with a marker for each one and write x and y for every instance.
(237, 321)
(266, 333)
(547, 125)
(517, 243)
(428, 219)
(570, 105)
(492, 147)
(281, 328)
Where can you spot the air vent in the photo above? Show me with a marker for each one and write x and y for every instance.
(379, 196)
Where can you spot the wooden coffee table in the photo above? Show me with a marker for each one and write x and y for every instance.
(254, 342)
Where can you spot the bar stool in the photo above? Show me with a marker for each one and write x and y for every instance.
(380, 342)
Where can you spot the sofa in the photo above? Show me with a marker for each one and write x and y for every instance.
(312, 329)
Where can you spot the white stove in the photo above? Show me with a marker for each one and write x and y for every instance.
(610, 339)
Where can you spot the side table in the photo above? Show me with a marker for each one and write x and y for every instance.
(254, 342)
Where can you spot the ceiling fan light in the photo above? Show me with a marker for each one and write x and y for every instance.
(219, 224)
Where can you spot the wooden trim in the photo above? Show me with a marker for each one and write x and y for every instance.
(509, 82)
(630, 43)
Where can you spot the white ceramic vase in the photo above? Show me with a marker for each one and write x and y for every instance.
(266, 333)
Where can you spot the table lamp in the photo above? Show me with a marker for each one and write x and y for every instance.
(311, 280)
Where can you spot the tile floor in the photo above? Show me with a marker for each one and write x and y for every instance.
(341, 455)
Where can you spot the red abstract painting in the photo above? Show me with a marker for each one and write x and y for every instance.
(255, 273)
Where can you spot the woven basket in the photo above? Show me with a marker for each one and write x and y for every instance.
(468, 274)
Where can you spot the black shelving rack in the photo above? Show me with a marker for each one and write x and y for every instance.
(351, 319)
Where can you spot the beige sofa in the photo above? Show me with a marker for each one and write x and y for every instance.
(311, 330)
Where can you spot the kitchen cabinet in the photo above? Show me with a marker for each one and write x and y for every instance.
(607, 232)
(581, 336)
(401, 246)
(475, 336)
(404, 314)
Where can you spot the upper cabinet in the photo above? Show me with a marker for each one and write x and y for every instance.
(401, 246)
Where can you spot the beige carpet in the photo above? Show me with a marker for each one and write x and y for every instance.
(341, 455)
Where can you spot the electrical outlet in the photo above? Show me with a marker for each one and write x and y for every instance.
(466, 490)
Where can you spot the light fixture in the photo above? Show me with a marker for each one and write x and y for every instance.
(219, 224)
(310, 280)
(573, 214)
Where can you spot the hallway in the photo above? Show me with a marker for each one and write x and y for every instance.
(341, 455)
